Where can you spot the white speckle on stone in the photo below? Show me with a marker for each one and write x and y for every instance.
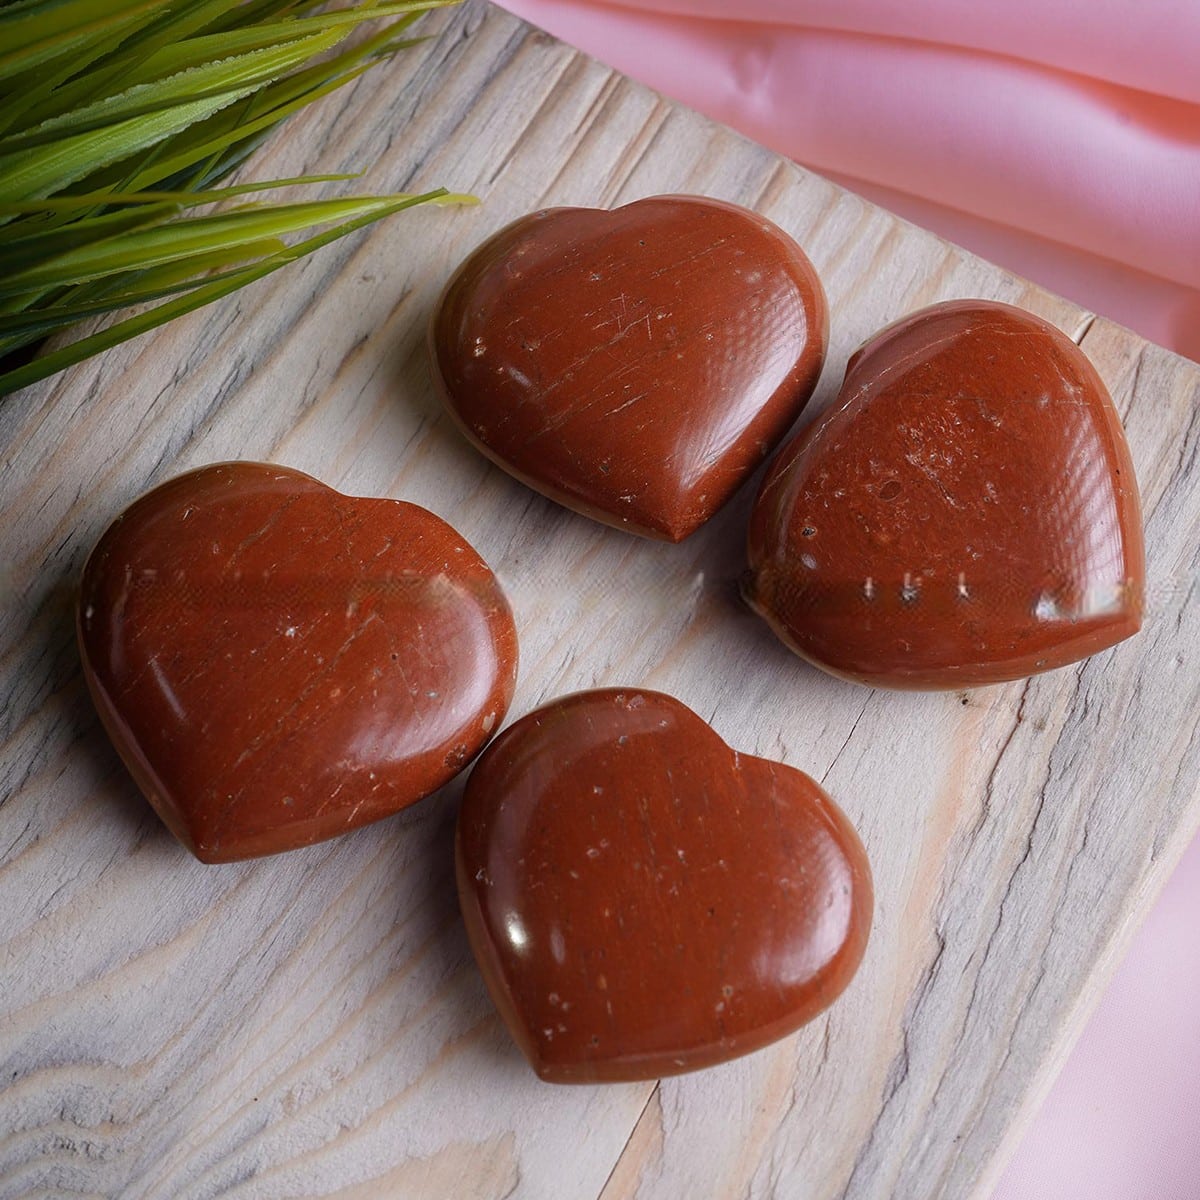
(809, 561)
(1046, 608)
(1105, 598)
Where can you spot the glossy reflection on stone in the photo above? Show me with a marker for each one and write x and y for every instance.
(278, 663)
(642, 900)
(635, 365)
(965, 512)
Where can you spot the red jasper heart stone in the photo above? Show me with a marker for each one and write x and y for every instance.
(635, 365)
(964, 513)
(278, 663)
(643, 900)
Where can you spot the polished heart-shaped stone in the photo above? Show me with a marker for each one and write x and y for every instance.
(964, 513)
(643, 900)
(278, 663)
(635, 365)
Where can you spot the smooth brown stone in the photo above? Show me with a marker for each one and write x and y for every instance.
(642, 900)
(278, 663)
(965, 512)
(635, 365)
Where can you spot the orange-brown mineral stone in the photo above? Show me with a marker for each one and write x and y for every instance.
(965, 512)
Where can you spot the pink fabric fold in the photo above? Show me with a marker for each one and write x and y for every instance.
(1073, 158)
(1066, 157)
(1150, 45)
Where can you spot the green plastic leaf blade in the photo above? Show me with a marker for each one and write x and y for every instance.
(76, 352)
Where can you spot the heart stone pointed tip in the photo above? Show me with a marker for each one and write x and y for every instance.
(634, 365)
(278, 663)
(964, 513)
(642, 900)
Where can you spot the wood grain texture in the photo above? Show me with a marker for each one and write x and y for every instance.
(312, 1024)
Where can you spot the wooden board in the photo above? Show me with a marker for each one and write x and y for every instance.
(313, 1024)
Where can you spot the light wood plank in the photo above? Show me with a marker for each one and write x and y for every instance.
(313, 1024)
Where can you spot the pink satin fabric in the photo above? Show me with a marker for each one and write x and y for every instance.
(1089, 142)
(1061, 139)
